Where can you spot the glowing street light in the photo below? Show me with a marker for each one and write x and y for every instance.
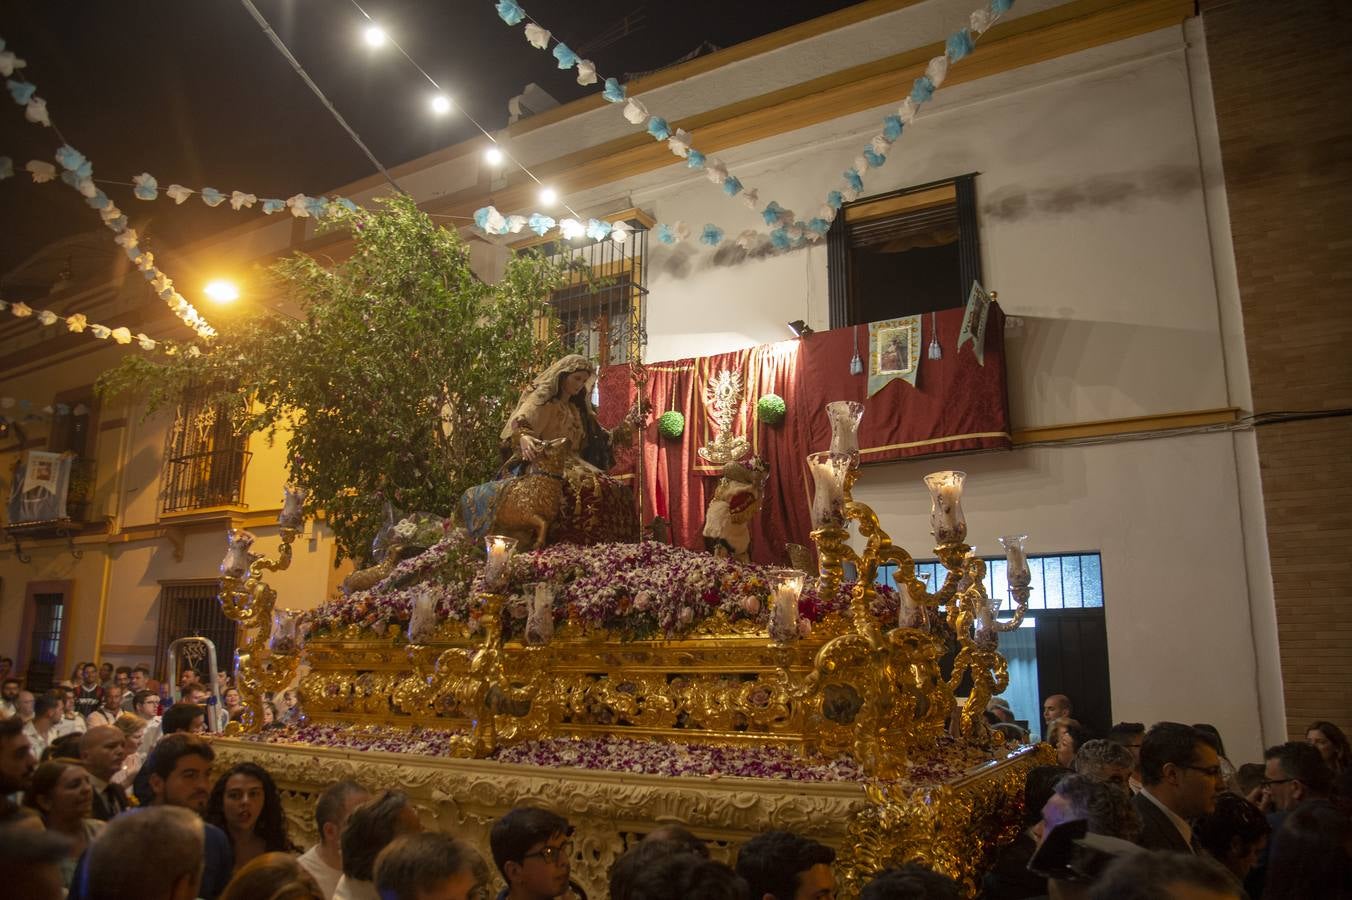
(441, 104)
(493, 156)
(375, 36)
(222, 291)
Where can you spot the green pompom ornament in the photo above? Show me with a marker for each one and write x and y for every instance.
(671, 424)
(770, 409)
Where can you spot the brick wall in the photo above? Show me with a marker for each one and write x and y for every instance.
(1282, 78)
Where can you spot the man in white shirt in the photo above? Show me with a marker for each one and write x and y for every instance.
(325, 859)
(110, 709)
(140, 681)
(9, 697)
(71, 722)
(41, 731)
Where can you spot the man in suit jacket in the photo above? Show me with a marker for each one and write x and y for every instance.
(1180, 777)
(102, 749)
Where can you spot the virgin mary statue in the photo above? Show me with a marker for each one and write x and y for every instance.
(595, 507)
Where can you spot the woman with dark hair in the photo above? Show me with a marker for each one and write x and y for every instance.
(1332, 744)
(63, 796)
(272, 876)
(1067, 736)
(245, 805)
(1310, 856)
(1235, 833)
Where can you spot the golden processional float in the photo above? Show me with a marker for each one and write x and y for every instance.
(502, 700)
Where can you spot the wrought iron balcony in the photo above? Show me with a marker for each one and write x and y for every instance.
(206, 479)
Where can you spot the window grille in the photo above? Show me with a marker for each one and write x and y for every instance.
(49, 611)
(190, 609)
(1060, 580)
(205, 461)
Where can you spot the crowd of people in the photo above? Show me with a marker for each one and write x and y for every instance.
(114, 810)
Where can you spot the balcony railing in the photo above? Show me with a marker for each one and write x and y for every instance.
(201, 480)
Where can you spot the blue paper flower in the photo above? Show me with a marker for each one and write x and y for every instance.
(875, 159)
(347, 204)
(854, 179)
(780, 238)
(510, 12)
(70, 158)
(771, 212)
(212, 197)
(98, 201)
(598, 229)
(133, 253)
(21, 91)
(665, 234)
(539, 224)
(481, 217)
(657, 127)
(959, 45)
(712, 235)
(566, 57)
(614, 91)
(6, 168)
(835, 199)
(819, 225)
(1000, 7)
(315, 206)
(119, 224)
(147, 188)
(892, 126)
(272, 206)
(695, 159)
(732, 186)
(71, 178)
(923, 89)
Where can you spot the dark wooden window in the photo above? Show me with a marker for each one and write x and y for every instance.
(190, 609)
(906, 252)
(43, 648)
(205, 460)
(74, 422)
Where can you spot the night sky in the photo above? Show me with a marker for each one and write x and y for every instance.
(193, 92)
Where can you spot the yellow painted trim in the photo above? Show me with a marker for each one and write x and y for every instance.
(127, 649)
(105, 587)
(867, 211)
(1136, 425)
(932, 441)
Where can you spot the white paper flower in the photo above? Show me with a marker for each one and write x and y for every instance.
(87, 188)
(586, 71)
(240, 199)
(538, 37)
(496, 222)
(146, 342)
(42, 172)
(619, 232)
(572, 228)
(9, 63)
(194, 352)
(748, 240)
(681, 231)
(715, 171)
(47, 317)
(850, 194)
(515, 224)
(145, 262)
(109, 213)
(178, 192)
(100, 331)
(126, 239)
(36, 112)
(826, 211)
(635, 112)
(937, 70)
(880, 145)
(122, 335)
(981, 20)
(77, 322)
(298, 207)
(161, 282)
(679, 143)
(751, 198)
(906, 112)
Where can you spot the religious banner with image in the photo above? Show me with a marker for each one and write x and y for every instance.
(40, 486)
(974, 321)
(893, 352)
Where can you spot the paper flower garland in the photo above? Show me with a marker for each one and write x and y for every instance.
(771, 409)
(671, 425)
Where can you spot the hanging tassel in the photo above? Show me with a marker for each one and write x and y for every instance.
(856, 364)
(935, 351)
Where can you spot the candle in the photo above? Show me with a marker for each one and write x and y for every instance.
(1016, 558)
(500, 550)
(828, 482)
(784, 606)
(947, 521)
(911, 611)
(844, 416)
(293, 505)
(423, 617)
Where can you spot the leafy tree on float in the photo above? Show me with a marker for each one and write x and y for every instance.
(395, 382)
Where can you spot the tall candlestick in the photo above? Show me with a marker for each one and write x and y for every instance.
(947, 521)
(784, 605)
(500, 550)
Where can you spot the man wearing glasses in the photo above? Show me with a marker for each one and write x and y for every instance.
(533, 850)
(1180, 776)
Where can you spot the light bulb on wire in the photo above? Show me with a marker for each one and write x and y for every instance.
(548, 196)
(375, 36)
(493, 156)
(441, 104)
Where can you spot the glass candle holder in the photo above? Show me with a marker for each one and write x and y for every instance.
(238, 557)
(911, 612)
(788, 587)
(829, 470)
(1016, 559)
(500, 550)
(285, 637)
(293, 508)
(947, 522)
(844, 416)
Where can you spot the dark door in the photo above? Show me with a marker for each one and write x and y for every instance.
(1072, 659)
(45, 648)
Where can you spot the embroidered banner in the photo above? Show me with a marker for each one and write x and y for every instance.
(974, 321)
(958, 406)
(893, 352)
(40, 486)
